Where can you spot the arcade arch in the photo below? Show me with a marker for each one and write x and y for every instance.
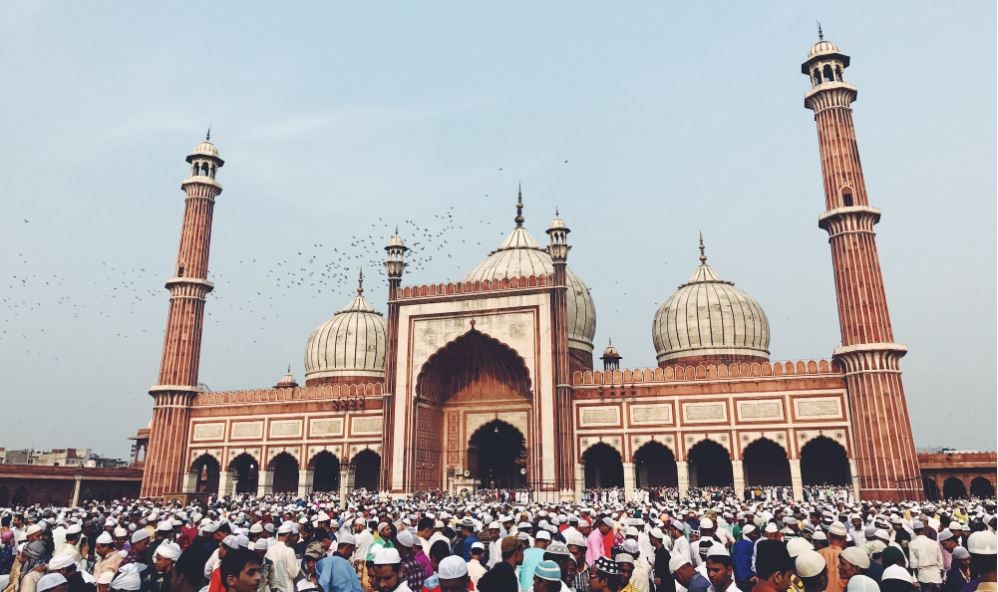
(765, 463)
(709, 465)
(981, 487)
(325, 471)
(655, 466)
(954, 488)
(206, 473)
(823, 461)
(284, 469)
(367, 467)
(603, 466)
(246, 472)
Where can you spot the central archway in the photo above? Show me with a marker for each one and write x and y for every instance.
(473, 373)
(603, 467)
(496, 454)
(655, 466)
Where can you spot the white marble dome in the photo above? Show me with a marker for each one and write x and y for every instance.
(520, 255)
(352, 343)
(708, 317)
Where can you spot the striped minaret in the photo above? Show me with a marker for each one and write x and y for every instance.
(178, 373)
(558, 248)
(884, 447)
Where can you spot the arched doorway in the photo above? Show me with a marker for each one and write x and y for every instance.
(285, 472)
(20, 497)
(931, 489)
(496, 454)
(709, 465)
(981, 487)
(765, 463)
(823, 461)
(326, 472)
(367, 466)
(247, 473)
(655, 466)
(954, 488)
(474, 371)
(206, 468)
(4, 497)
(603, 467)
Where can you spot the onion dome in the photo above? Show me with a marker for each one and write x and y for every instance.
(822, 51)
(520, 255)
(350, 346)
(708, 318)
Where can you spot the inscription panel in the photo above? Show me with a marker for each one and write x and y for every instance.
(705, 412)
(761, 410)
(367, 425)
(823, 408)
(247, 430)
(592, 417)
(651, 414)
(208, 431)
(286, 428)
(332, 426)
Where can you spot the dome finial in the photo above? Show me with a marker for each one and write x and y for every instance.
(821, 34)
(360, 282)
(703, 257)
(207, 136)
(519, 205)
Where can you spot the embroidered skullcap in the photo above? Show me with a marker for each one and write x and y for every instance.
(546, 570)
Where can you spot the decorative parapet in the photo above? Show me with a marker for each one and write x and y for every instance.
(345, 395)
(709, 372)
(475, 287)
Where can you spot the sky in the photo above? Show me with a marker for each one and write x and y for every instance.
(644, 122)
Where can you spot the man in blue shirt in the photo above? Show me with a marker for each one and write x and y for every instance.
(688, 577)
(336, 573)
(741, 556)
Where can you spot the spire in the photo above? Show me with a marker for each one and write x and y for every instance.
(519, 205)
(703, 257)
(821, 34)
(207, 136)
(360, 282)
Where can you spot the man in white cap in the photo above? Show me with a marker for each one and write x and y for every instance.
(286, 567)
(475, 568)
(336, 572)
(388, 572)
(454, 575)
(836, 542)
(110, 558)
(810, 568)
(719, 570)
(595, 547)
(52, 582)
(853, 561)
(983, 548)
(925, 559)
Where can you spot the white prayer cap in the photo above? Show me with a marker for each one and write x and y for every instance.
(74, 529)
(33, 529)
(876, 547)
(261, 545)
(896, 572)
(140, 535)
(982, 542)
(347, 539)
(798, 545)
(861, 583)
(387, 557)
(718, 550)
(623, 558)
(61, 561)
(678, 561)
(49, 581)
(168, 550)
(749, 529)
(543, 535)
(256, 528)
(575, 538)
(771, 528)
(452, 567)
(286, 528)
(706, 523)
(129, 577)
(164, 526)
(120, 532)
(243, 541)
(657, 533)
(105, 539)
(110, 522)
(809, 564)
(630, 547)
(856, 556)
(406, 539)
(837, 529)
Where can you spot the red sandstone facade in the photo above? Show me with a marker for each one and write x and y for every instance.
(489, 381)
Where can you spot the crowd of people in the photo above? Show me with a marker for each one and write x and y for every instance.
(499, 541)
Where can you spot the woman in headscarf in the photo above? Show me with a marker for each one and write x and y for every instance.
(36, 556)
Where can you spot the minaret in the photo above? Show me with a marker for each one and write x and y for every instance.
(395, 264)
(178, 374)
(883, 444)
(558, 248)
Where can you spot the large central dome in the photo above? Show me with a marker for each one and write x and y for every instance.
(520, 255)
(709, 319)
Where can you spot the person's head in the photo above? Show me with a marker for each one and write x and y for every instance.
(240, 571)
(547, 577)
(772, 562)
(542, 540)
(812, 570)
(424, 527)
(605, 576)
(719, 568)
(625, 566)
(961, 557)
(512, 550)
(604, 526)
(387, 567)
(104, 544)
(358, 525)
(140, 541)
(982, 546)
(853, 561)
(64, 565)
(750, 532)
(438, 551)
(857, 522)
(453, 572)
(477, 550)
(837, 535)
(52, 582)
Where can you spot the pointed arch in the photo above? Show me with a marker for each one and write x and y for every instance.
(765, 462)
(473, 359)
(207, 469)
(824, 461)
(982, 487)
(284, 467)
(604, 467)
(367, 467)
(246, 470)
(325, 468)
(709, 464)
(655, 466)
(497, 455)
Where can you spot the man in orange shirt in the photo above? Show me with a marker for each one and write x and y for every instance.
(836, 542)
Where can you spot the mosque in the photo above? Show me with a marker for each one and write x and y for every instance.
(490, 381)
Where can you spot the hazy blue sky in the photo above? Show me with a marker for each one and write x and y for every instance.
(338, 121)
